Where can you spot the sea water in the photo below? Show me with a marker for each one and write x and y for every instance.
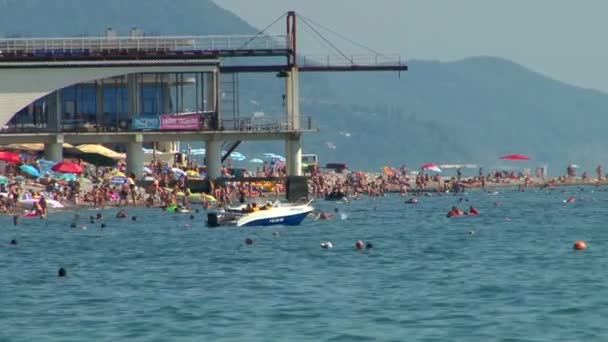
(509, 274)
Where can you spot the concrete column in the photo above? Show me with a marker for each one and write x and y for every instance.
(54, 150)
(135, 157)
(293, 148)
(99, 101)
(292, 99)
(214, 158)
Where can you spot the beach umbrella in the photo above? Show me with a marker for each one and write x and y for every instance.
(67, 167)
(147, 170)
(514, 157)
(3, 179)
(30, 170)
(9, 157)
(100, 149)
(117, 173)
(235, 156)
(67, 177)
(192, 173)
(256, 161)
(431, 167)
(178, 172)
(198, 151)
(273, 156)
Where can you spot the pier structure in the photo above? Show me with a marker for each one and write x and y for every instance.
(137, 90)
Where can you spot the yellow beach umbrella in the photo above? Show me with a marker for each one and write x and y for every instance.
(100, 149)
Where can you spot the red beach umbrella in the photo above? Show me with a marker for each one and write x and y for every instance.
(10, 157)
(67, 167)
(515, 157)
(429, 166)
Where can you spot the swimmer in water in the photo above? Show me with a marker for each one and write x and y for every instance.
(472, 211)
(121, 214)
(455, 212)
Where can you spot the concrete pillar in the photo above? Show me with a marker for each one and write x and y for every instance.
(293, 149)
(213, 158)
(99, 102)
(135, 157)
(292, 99)
(54, 150)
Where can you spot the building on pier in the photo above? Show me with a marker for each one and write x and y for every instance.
(136, 90)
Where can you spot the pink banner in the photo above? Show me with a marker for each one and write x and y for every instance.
(180, 122)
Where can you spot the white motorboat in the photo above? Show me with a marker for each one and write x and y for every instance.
(277, 214)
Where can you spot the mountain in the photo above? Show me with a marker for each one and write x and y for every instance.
(471, 110)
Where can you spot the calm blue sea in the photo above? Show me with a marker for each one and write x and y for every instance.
(165, 277)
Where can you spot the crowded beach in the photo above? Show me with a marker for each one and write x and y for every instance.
(32, 186)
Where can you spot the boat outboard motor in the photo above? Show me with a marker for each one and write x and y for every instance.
(213, 220)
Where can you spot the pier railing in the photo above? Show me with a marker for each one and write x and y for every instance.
(349, 60)
(146, 43)
(90, 123)
(269, 125)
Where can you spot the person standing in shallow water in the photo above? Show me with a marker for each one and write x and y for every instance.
(132, 187)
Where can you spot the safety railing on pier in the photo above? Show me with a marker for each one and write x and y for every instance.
(147, 43)
(90, 124)
(349, 60)
(268, 124)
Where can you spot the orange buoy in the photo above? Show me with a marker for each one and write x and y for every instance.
(579, 245)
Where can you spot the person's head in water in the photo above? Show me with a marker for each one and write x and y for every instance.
(248, 241)
(336, 210)
(13, 242)
(134, 218)
(369, 245)
(73, 225)
(62, 272)
(192, 217)
(98, 216)
(103, 225)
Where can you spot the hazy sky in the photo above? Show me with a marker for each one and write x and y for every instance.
(564, 39)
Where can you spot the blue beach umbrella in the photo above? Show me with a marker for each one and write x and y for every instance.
(256, 161)
(30, 170)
